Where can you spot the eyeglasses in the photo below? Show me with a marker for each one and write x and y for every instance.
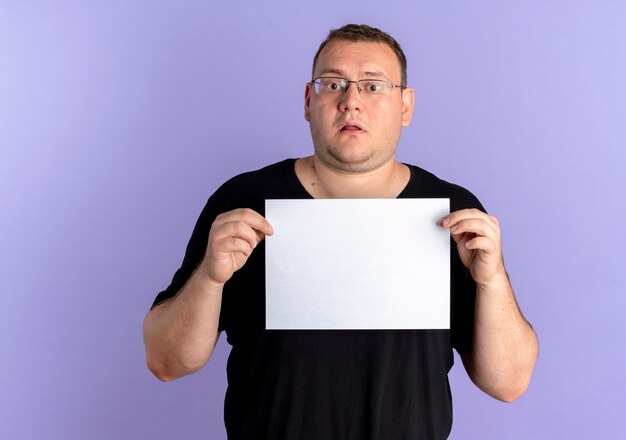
(330, 86)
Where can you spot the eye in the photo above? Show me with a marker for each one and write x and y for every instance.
(374, 87)
(331, 85)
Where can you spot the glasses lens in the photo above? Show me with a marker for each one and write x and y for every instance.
(330, 86)
(368, 88)
(375, 88)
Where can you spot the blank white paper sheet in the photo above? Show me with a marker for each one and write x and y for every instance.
(357, 264)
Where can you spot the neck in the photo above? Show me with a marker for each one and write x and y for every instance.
(323, 182)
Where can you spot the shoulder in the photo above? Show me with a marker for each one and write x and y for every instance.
(426, 184)
(259, 181)
(250, 189)
(266, 174)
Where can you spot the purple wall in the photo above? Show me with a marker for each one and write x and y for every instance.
(118, 120)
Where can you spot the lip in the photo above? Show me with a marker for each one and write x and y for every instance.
(353, 124)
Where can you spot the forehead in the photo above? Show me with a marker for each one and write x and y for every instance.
(355, 58)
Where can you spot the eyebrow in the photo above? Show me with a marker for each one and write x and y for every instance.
(368, 73)
(374, 73)
(331, 70)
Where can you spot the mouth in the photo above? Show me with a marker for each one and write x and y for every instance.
(351, 127)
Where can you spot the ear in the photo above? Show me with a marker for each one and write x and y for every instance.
(307, 101)
(408, 101)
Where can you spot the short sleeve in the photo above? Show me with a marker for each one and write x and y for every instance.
(196, 248)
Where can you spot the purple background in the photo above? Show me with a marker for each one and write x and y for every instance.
(118, 120)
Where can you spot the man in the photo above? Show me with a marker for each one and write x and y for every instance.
(374, 384)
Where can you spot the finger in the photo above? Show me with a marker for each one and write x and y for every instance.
(259, 235)
(494, 220)
(482, 243)
(248, 216)
(476, 226)
(229, 245)
(462, 238)
(464, 214)
(236, 229)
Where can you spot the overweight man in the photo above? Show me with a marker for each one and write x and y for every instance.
(340, 384)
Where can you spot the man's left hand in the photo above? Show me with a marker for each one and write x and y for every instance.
(477, 237)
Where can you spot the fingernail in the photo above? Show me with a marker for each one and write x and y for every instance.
(446, 220)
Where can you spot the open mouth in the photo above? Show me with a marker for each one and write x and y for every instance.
(351, 128)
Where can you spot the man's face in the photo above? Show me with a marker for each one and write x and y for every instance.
(351, 132)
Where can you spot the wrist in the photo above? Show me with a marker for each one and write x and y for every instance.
(204, 283)
(497, 283)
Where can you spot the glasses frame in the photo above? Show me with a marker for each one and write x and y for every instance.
(392, 86)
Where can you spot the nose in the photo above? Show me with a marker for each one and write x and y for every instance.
(351, 99)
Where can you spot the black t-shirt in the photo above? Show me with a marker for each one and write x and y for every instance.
(329, 384)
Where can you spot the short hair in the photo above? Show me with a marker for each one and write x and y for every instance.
(363, 32)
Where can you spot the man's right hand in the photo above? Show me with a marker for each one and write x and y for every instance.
(180, 335)
(232, 238)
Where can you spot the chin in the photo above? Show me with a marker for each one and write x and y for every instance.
(356, 164)
(353, 157)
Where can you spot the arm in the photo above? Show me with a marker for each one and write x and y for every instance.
(180, 334)
(505, 347)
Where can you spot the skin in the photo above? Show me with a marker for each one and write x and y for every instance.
(356, 164)
(382, 120)
(180, 334)
(505, 347)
